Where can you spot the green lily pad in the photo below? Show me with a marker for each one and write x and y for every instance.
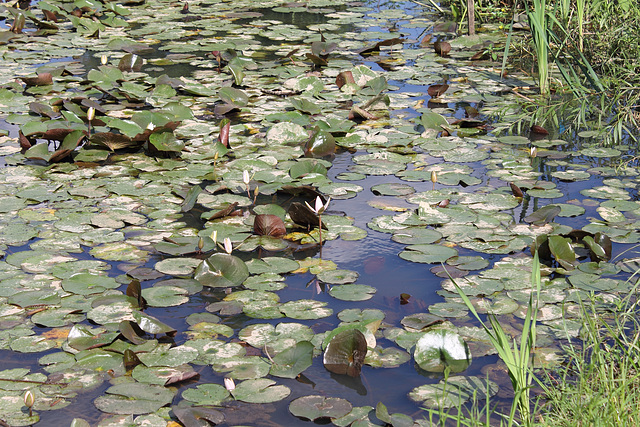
(428, 254)
(293, 361)
(317, 407)
(171, 357)
(134, 398)
(221, 271)
(206, 394)
(306, 309)
(260, 390)
(89, 283)
(243, 367)
(352, 292)
(439, 348)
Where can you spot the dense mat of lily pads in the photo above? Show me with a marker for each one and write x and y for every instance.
(119, 150)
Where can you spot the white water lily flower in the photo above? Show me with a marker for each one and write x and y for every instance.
(319, 208)
(103, 59)
(245, 177)
(229, 384)
(29, 399)
(228, 246)
(91, 113)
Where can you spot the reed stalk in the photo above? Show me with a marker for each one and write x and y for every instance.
(538, 22)
(517, 357)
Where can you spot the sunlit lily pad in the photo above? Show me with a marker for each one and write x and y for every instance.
(306, 309)
(428, 254)
(352, 292)
(206, 394)
(134, 398)
(415, 236)
(345, 352)
(452, 393)
(440, 348)
(260, 390)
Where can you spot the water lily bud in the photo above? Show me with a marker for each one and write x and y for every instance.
(214, 236)
(229, 384)
(200, 243)
(29, 399)
(228, 246)
(245, 177)
(103, 59)
(215, 156)
(256, 191)
(533, 152)
(91, 113)
(434, 176)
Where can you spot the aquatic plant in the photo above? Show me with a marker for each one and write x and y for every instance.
(517, 357)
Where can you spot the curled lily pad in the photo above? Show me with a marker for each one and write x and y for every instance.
(321, 143)
(82, 338)
(345, 353)
(441, 348)
(222, 271)
(292, 361)
(151, 325)
(269, 225)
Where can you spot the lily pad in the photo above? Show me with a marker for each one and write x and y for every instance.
(352, 292)
(221, 271)
(134, 398)
(440, 348)
(313, 408)
(260, 390)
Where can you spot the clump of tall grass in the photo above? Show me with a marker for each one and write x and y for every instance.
(600, 384)
(516, 356)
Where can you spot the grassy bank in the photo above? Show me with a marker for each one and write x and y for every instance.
(597, 385)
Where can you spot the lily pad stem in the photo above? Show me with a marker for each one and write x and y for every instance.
(320, 232)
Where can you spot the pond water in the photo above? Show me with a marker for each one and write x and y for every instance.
(406, 200)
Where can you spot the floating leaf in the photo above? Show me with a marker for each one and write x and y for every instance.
(352, 292)
(206, 394)
(221, 271)
(134, 398)
(260, 390)
(543, 215)
(292, 361)
(563, 252)
(269, 225)
(190, 416)
(313, 408)
(441, 348)
(345, 353)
